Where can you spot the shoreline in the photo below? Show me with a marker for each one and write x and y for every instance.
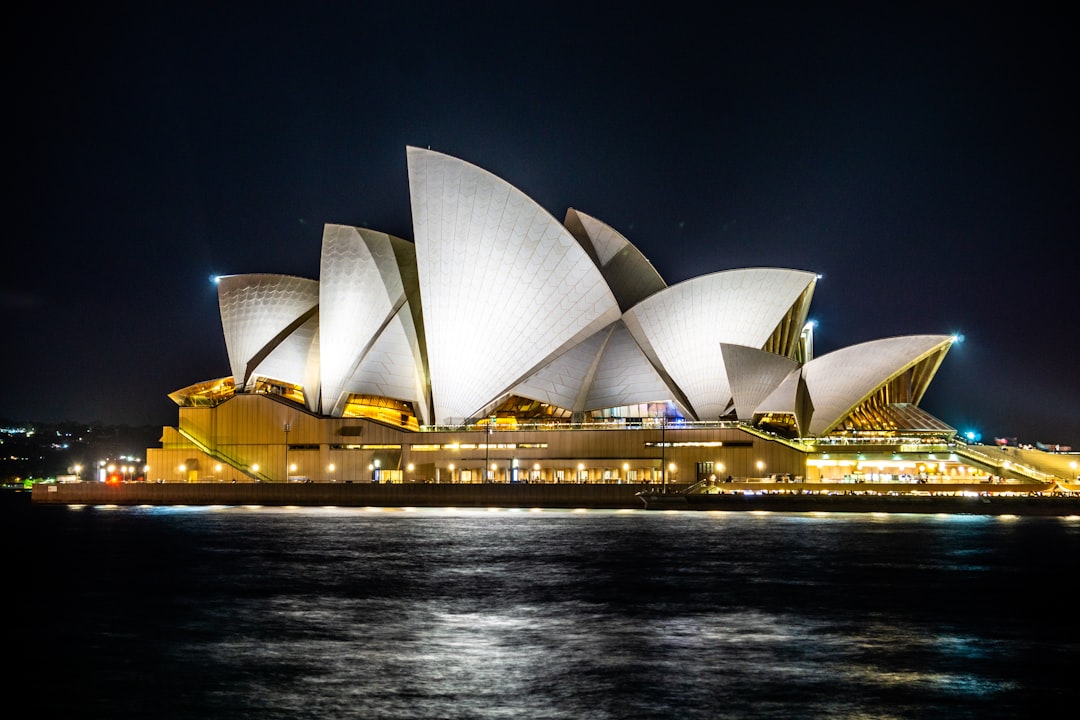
(1019, 505)
(560, 496)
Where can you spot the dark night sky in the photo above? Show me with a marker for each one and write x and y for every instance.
(921, 157)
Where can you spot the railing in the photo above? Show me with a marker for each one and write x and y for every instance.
(1003, 465)
(773, 437)
(644, 424)
(696, 488)
(218, 455)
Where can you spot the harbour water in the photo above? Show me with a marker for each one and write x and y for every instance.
(229, 612)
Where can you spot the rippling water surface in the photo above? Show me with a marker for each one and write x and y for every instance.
(352, 613)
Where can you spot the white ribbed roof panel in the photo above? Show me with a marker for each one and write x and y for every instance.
(606, 241)
(839, 381)
(790, 397)
(784, 398)
(628, 272)
(256, 310)
(753, 375)
(391, 368)
(561, 382)
(295, 360)
(625, 376)
(502, 281)
(360, 290)
(682, 326)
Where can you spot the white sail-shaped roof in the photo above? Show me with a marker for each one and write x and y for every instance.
(753, 375)
(503, 283)
(839, 381)
(295, 360)
(790, 398)
(392, 367)
(495, 297)
(258, 314)
(563, 381)
(624, 376)
(605, 371)
(362, 296)
(681, 327)
(630, 275)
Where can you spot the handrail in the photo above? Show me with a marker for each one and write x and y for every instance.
(999, 464)
(218, 455)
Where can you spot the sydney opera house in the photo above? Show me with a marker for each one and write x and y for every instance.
(501, 344)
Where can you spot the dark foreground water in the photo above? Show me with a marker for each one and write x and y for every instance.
(350, 613)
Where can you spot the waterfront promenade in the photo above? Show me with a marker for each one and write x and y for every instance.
(526, 495)
(777, 497)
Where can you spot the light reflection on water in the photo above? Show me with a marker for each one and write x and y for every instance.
(366, 613)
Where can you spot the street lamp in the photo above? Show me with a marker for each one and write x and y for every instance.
(287, 428)
(487, 447)
(663, 452)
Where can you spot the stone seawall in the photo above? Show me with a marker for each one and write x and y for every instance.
(528, 495)
(525, 495)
